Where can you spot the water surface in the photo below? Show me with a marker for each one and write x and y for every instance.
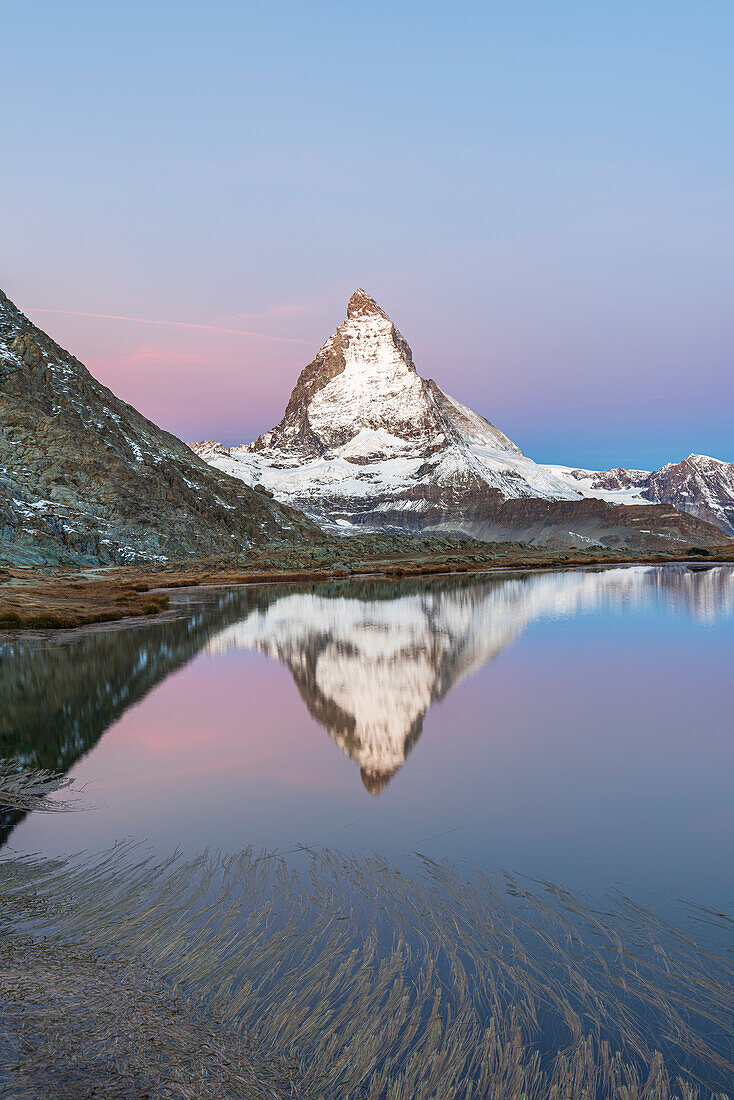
(575, 726)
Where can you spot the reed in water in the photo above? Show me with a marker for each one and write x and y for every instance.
(325, 975)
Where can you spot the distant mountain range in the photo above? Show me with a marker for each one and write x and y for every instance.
(367, 444)
(699, 485)
(86, 479)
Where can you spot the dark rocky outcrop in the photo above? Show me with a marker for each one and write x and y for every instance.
(699, 485)
(86, 479)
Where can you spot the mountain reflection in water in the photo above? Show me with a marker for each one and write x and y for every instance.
(369, 658)
(368, 669)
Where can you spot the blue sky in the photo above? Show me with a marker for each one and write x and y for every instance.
(540, 195)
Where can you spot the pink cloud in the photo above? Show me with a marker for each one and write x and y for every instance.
(228, 379)
(177, 324)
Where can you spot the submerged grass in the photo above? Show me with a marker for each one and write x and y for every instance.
(29, 789)
(345, 978)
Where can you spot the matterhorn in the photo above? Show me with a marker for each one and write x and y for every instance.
(366, 443)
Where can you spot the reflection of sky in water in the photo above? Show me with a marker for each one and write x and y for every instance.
(572, 726)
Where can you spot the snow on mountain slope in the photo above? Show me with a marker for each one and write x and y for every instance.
(362, 429)
(366, 443)
(617, 486)
(699, 485)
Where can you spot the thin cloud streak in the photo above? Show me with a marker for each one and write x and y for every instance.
(178, 324)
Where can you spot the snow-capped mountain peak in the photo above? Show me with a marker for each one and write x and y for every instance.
(700, 485)
(362, 305)
(366, 443)
(363, 431)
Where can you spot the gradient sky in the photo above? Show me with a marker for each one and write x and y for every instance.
(539, 194)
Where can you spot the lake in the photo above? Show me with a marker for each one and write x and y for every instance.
(574, 726)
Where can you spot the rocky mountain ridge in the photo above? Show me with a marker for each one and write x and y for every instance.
(367, 443)
(699, 485)
(86, 479)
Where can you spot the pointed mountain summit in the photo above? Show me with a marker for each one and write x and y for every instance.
(700, 485)
(361, 305)
(366, 443)
(366, 399)
(86, 479)
(362, 385)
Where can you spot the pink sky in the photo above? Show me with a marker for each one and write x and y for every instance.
(228, 377)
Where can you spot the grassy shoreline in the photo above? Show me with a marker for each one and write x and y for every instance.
(62, 599)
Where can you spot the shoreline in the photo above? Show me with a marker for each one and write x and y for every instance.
(33, 600)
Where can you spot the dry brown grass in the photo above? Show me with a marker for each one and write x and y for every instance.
(66, 598)
(41, 603)
(25, 789)
(75, 1026)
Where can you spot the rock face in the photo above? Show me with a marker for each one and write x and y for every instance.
(366, 443)
(85, 478)
(699, 485)
(702, 486)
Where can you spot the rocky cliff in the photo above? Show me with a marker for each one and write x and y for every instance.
(698, 485)
(85, 478)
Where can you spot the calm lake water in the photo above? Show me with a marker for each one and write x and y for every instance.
(576, 726)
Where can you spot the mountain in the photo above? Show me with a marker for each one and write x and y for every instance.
(699, 485)
(86, 478)
(366, 443)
